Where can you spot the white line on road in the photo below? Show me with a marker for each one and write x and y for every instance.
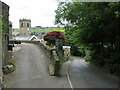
(68, 76)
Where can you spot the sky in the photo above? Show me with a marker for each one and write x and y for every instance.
(41, 12)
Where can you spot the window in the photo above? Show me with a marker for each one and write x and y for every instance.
(27, 24)
(21, 25)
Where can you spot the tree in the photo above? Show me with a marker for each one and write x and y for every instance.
(54, 35)
(93, 26)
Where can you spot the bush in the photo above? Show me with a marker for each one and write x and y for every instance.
(54, 35)
(109, 59)
(113, 63)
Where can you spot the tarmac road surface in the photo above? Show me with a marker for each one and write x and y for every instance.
(84, 75)
(32, 71)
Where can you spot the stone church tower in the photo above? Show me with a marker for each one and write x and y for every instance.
(24, 27)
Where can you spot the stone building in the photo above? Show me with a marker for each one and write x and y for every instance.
(4, 36)
(24, 27)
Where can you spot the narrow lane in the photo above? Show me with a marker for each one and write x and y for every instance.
(31, 70)
(84, 75)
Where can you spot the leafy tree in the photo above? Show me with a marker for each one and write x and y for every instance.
(54, 35)
(95, 27)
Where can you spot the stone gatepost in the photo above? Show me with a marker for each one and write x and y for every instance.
(60, 53)
(59, 44)
(59, 49)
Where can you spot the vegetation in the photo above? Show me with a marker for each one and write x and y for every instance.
(51, 37)
(0, 29)
(94, 27)
(40, 31)
(46, 29)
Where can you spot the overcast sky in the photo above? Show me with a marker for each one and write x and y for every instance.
(41, 12)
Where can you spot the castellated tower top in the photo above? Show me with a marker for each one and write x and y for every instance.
(25, 25)
(24, 19)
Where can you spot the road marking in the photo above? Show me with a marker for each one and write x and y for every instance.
(68, 76)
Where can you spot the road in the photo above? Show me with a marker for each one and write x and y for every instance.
(31, 70)
(84, 75)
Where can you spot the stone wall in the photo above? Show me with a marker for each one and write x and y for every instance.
(1, 74)
(53, 61)
(54, 58)
(4, 36)
(67, 52)
(5, 31)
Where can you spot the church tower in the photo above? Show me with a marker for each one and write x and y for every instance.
(24, 27)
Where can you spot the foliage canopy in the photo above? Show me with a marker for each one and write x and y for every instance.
(51, 37)
(95, 27)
